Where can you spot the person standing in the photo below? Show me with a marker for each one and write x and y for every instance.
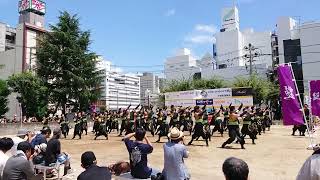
(174, 154)
(310, 168)
(233, 128)
(248, 128)
(199, 125)
(77, 126)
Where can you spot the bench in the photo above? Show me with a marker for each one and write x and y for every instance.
(58, 167)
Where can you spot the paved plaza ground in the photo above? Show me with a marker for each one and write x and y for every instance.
(277, 155)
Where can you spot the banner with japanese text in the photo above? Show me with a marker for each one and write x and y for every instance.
(315, 97)
(291, 107)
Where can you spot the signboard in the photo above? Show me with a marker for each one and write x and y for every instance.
(202, 102)
(36, 6)
(180, 95)
(210, 97)
(241, 91)
(213, 93)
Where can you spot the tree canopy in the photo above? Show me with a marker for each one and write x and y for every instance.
(263, 89)
(67, 66)
(4, 93)
(185, 85)
(32, 94)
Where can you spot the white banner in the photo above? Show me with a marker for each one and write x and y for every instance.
(218, 97)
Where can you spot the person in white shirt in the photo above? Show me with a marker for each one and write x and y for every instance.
(5, 145)
(20, 137)
(310, 168)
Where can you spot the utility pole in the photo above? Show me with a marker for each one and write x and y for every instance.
(252, 54)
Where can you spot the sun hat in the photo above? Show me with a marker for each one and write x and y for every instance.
(175, 134)
(22, 132)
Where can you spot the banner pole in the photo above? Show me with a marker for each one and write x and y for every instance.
(310, 105)
(302, 108)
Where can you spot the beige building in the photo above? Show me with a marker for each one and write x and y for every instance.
(18, 45)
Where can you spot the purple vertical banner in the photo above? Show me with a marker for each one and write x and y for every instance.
(291, 107)
(315, 97)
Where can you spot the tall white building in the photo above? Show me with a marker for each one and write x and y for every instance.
(149, 88)
(230, 53)
(180, 66)
(119, 90)
(184, 66)
(231, 43)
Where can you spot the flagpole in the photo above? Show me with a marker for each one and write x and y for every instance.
(310, 105)
(304, 115)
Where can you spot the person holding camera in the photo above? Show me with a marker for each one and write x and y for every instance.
(174, 154)
(138, 153)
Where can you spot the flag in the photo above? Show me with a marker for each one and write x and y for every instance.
(291, 107)
(315, 97)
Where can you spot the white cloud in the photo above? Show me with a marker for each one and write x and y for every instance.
(201, 34)
(170, 12)
(206, 28)
(200, 39)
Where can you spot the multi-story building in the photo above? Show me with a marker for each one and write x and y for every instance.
(184, 66)
(232, 53)
(18, 45)
(149, 88)
(299, 44)
(119, 90)
(7, 37)
(232, 44)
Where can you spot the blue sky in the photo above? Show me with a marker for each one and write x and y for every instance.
(145, 32)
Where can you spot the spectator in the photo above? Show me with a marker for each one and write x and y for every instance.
(20, 137)
(138, 152)
(53, 151)
(235, 169)
(92, 171)
(41, 138)
(5, 145)
(19, 166)
(310, 168)
(174, 154)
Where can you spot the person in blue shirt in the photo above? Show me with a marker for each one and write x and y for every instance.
(174, 154)
(41, 138)
(138, 153)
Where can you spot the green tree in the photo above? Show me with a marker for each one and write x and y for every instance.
(263, 89)
(32, 94)
(67, 66)
(213, 83)
(4, 93)
(185, 85)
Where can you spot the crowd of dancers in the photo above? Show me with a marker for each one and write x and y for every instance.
(199, 122)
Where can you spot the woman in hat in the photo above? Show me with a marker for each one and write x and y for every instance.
(174, 154)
